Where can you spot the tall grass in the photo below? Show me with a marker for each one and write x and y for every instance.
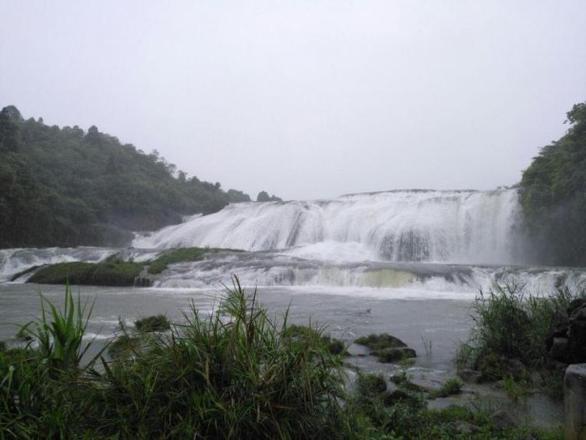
(510, 331)
(59, 334)
(233, 374)
(39, 384)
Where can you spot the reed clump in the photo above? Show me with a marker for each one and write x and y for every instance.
(233, 374)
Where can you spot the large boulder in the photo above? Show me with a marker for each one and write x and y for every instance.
(387, 348)
(567, 341)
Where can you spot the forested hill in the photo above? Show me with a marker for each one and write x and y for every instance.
(554, 195)
(67, 187)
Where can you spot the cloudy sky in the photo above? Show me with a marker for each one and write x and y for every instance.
(307, 99)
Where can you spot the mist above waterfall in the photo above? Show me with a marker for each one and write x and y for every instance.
(432, 226)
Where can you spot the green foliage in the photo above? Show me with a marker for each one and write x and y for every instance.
(124, 345)
(235, 374)
(64, 187)
(449, 388)
(333, 345)
(230, 375)
(516, 389)
(554, 195)
(369, 385)
(59, 334)
(157, 323)
(107, 273)
(235, 196)
(264, 196)
(380, 342)
(510, 332)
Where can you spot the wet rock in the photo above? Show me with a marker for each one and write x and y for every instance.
(576, 304)
(383, 340)
(388, 355)
(575, 401)
(502, 420)
(559, 348)
(358, 350)
(386, 348)
(469, 375)
(567, 341)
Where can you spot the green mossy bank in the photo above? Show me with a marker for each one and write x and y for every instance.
(89, 274)
(116, 272)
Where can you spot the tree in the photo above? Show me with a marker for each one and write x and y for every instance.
(9, 129)
(59, 187)
(553, 195)
(263, 196)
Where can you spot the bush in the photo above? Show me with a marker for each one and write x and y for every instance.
(333, 345)
(449, 388)
(510, 332)
(157, 323)
(386, 348)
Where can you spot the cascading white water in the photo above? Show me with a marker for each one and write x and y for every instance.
(14, 261)
(433, 226)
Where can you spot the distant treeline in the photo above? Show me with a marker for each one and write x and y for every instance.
(68, 187)
(553, 194)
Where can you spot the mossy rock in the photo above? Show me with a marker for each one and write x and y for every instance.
(389, 355)
(403, 382)
(108, 273)
(17, 275)
(386, 348)
(181, 255)
(380, 341)
(157, 323)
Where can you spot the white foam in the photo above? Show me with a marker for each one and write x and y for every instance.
(438, 226)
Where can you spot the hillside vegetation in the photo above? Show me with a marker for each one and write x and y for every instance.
(68, 187)
(553, 194)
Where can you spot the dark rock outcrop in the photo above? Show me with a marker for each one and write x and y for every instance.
(567, 341)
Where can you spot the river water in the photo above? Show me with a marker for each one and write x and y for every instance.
(409, 263)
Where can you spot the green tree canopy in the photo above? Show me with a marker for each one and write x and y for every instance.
(554, 195)
(64, 187)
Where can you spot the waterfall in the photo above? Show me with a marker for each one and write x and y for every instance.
(472, 227)
(14, 261)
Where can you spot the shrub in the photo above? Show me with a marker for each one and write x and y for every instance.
(157, 323)
(510, 332)
(449, 388)
(333, 345)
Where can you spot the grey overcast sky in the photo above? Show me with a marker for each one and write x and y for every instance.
(306, 99)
